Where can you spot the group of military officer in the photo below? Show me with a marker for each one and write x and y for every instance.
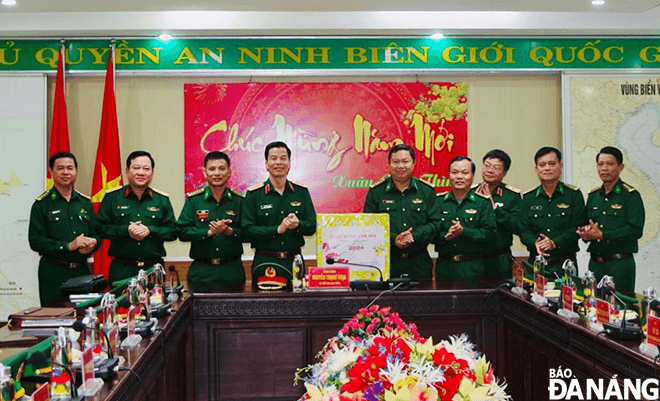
(472, 227)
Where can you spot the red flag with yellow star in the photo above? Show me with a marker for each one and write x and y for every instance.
(107, 170)
(59, 130)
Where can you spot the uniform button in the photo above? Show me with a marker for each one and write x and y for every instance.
(138, 215)
(548, 230)
(404, 224)
(549, 214)
(282, 212)
(139, 243)
(388, 208)
(266, 214)
(562, 213)
(71, 217)
(74, 232)
(603, 212)
(418, 209)
(57, 218)
(605, 199)
(404, 209)
(217, 249)
(536, 215)
(282, 243)
(470, 218)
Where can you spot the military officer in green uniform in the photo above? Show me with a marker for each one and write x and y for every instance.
(552, 212)
(211, 221)
(414, 214)
(137, 219)
(467, 224)
(62, 229)
(277, 214)
(616, 221)
(505, 200)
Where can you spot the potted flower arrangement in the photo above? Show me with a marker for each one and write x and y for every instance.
(376, 356)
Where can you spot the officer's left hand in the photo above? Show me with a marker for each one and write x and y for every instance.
(404, 239)
(590, 232)
(87, 249)
(293, 221)
(456, 230)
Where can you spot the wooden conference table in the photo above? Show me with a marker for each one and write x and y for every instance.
(248, 345)
(244, 345)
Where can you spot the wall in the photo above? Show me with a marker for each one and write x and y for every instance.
(517, 113)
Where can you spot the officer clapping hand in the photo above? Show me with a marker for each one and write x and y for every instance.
(544, 244)
(219, 227)
(290, 222)
(138, 231)
(404, 239)
(456, 230)
(590, 232)
(483, 190)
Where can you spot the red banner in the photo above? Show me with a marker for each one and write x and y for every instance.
(339, 133)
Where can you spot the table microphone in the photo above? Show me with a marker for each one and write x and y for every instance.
(362, 284)
(172, 289)
(105, 369)
(622, 329)
(654, 305)
(39, 358)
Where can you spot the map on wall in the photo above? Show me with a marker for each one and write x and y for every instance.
(621, 111)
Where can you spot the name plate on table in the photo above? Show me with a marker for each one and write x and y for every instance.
(602, 311)
(567, 297)
(328, 278)
(653, 330)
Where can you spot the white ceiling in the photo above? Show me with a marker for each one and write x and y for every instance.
(94, 18)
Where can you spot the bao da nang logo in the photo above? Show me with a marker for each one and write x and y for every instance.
(565, 386)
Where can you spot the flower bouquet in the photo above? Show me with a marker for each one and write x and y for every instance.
(376, 356)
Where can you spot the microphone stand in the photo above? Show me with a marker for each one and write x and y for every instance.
(622, 330)
(105, 369)
(39, 358)
(363, 284)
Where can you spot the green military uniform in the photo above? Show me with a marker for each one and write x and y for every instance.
(54, 223)
(620, 216)
(416, 208)
(263, 211)
(497, 255)
(216, 259)
(558, 217)
(461, 258)
(121, 207)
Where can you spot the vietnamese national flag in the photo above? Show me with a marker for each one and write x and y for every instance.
(59, 130)
(107, 169)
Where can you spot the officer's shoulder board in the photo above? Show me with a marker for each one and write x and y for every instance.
(530, 190)
(237, 193)
(379, 182)
(43, 195)
(628, 188)
(298, 185)
(594, 190)
(573, 187)
(512, 189)
(479, 194)
(195, 193)
(113, 190)
(256, 186)
(82, 194)
(443, 193)
(427, 183)
(474, 186)
(160, 192)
